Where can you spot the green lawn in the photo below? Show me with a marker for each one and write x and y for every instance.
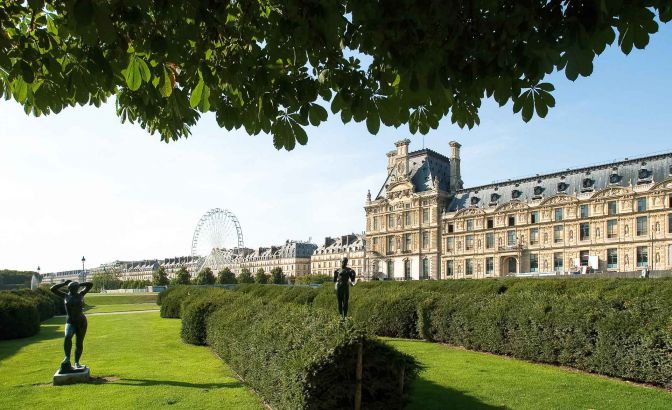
(125, 307)
(120, 298)
(140, 362)
(459, 379)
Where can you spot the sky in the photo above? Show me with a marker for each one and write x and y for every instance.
(80, 183)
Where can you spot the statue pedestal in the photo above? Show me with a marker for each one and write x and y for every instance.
(76, 376)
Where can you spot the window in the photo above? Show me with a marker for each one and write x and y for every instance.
(390, 243)
(407, 270)
(669, 223)
(534, 217)
(450, 243)
(490, 238)
(557, 233)
(583, 258)
(534, 236)
(390, 269)
(641, 204)
(375, 241)
(534, 262)
(425, 240)
(470, 224)
(511, 238)
(375, 223)
(407, 217)
(584, 231)
(469, 266)
(642, 256)
(469, 242)
(449, 268)
(425, 268)
(425, 215)
(584, 211)
(642, 225)
(489, 266)
(612, 228)
(390, 221)
(491, 223)
(558, 262)
(407, 242)
(512, 220)
(558, 214)
(669, 200)
(450, 228)
(611, 208)
(612, 258)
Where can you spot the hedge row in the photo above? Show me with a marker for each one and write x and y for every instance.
(615, 327)
(21, 311)
(293, 355)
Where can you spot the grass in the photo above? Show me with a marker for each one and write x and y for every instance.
(94, 299)
(139, 362)
(459, 379)
(127, 307)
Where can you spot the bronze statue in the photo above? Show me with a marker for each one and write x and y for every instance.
(343, 278)
(75, 322)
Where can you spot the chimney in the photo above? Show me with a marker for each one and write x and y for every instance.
(390, 160)
(402, 147)
(455, 177)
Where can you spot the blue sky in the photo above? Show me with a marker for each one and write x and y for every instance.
(82, 183)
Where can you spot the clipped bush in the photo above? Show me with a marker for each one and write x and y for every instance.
(310, 360)
(196, 309)
(172, 298)
(19, 316)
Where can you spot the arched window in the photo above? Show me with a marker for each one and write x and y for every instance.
(407, 269)
(390, 269)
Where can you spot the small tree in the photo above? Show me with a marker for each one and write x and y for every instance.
(261, 276)
(205, 277)
(159, 277)
(182, 277)
(277, 276)
(226, 277)
(245, 276)
(106, 280)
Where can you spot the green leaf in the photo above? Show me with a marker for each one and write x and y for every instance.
(540, 106)
(373, 122)
(132, 74)
(27, 72)
(20, 90)
(299, 134)
(144, 70)
(197, 94)
(165, 85)
(317, 114)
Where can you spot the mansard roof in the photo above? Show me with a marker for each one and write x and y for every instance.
(423, 166)
(626, 173)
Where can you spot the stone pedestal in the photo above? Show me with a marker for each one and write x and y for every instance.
(76, 376)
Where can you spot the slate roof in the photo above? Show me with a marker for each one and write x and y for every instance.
(627, 173)
(423, 165)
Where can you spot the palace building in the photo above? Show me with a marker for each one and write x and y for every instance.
(327, 258)
(610, 217)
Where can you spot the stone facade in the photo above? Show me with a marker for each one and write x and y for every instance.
(327, 258)
(423, 224)
(612, 217)
(403, 229)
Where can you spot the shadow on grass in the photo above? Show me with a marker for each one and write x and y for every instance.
(427, 395)
(48, 330)
(173, 383)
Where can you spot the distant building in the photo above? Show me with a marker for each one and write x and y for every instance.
(327, 258)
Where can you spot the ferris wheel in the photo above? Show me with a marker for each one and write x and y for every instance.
(217, 229)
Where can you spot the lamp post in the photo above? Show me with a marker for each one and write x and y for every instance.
(83, 271)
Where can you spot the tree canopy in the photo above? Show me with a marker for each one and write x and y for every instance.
(270, 66)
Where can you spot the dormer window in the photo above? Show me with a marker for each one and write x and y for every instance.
(614, 178)
(669, 171)
(644, 173)
(562, 187)
(474, 200)
(494, 197)
(587, 183)
(515, 194)
(538, 190)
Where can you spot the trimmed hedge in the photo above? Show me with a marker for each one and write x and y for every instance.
(295, 356)
(19, 316)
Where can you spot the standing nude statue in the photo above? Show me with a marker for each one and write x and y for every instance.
(343, 278)
(75, 322)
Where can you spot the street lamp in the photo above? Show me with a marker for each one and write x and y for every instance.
(83, 271)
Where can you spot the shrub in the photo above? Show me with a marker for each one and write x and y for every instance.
(205, 277)
(226, 277)
(195, 310)
(19, 316)
(172, 298)
(245, 276)
(310, 360)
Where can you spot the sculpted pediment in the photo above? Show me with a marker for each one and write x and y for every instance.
(610, 192)
(469, 212)
(665, 185)
(559, 199)
(510, 206)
